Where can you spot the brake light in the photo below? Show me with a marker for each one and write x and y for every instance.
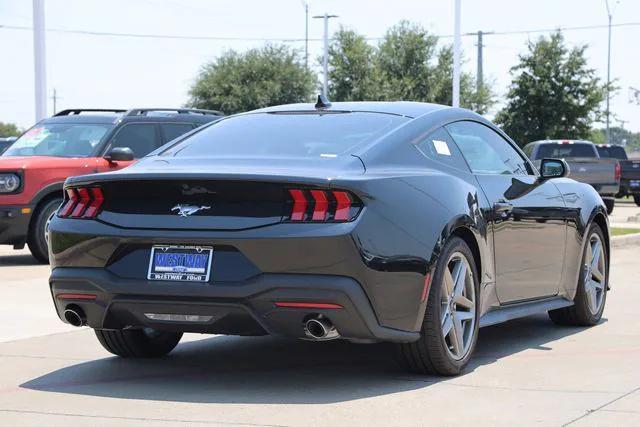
(323, 206)
(82, 202)
(618, 171)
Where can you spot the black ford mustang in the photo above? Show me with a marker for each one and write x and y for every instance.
(403, 222)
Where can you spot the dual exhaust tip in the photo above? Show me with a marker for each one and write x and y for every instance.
(319, 328)
(75, 316)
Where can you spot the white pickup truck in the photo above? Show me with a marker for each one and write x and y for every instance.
(585, 164)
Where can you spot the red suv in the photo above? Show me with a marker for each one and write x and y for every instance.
(76, 142)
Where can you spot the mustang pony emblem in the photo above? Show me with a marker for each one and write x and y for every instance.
(188, 210)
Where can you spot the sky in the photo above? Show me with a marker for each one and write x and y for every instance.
(124, 72)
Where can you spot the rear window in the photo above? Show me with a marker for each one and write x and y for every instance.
(560, 151)
(614, 152)
(286, 135)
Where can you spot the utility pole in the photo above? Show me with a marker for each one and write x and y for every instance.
(325, 58)
(55, 100)
(456, 56)
(39, 60)
(479, 76)
(608, 135)
(306, 33)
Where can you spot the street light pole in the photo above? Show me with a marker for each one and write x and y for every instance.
(306, 34)
(39, 60)
(325, 58)
(608, 135)
(456, 56)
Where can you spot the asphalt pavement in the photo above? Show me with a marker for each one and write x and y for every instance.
(526, 372)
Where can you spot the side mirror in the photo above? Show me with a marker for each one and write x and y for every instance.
(553, 168)
(119, 154)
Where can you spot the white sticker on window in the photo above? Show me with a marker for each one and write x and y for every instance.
(441, 147)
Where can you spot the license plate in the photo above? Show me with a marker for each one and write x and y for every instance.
(180, 263)
(634, 183)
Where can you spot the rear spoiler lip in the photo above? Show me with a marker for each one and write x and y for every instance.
(322, 179)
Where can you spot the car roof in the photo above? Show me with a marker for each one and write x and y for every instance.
(401, 108)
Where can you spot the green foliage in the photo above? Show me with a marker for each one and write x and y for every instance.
(406, 65)
(9, 129)
(553, 93)
(618, 136)
(258, 78)
(351, 74)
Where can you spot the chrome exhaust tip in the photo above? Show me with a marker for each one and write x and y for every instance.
(75, 316)
(320, 328)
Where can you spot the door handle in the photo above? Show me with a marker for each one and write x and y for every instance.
(503, 209)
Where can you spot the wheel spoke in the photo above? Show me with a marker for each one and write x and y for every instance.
(464, 315)
(460, 278)
(455, 342)
(447, 325)
(590, 292)
(457, 327)
(448, 282)
(597, 285)
(595, 255)
(463, 301)
(597, 274)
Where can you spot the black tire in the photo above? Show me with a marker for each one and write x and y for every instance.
(636, 198)
(138, 343)
(580, 314)
(610, 204)
(36, 239)
(430, 354)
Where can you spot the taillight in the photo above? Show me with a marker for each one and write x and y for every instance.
(322, 206)
(82, 202)
(618, 171)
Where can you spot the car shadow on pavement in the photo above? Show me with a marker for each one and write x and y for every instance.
(272, 370)
(18, 260)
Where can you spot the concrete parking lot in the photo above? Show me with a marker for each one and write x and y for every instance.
(525, 372)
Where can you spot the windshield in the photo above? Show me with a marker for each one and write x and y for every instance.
(615, 152)
(59, 140)
(286, 135)
(560, 151)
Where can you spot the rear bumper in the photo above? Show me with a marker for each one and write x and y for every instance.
(14, 225)
(607, 190)
(627, 188)
(246, 308)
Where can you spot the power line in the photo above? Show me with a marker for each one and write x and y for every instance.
(292, 39)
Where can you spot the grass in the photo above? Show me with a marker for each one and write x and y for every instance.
(617, 231)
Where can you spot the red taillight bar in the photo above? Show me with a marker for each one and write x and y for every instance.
(316, 305)
(67, 208)
(77, 296)
(82, 202)
(322, 205)
(618, 171)
(299, 205)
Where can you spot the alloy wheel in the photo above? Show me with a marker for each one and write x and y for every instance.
(595, 274)
(458, 306)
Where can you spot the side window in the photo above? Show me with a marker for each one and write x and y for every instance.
(171, 131)
(485, 150)
(140, 137)
(528, 150)
(440, 147)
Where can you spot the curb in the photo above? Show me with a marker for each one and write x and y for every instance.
(626, 240)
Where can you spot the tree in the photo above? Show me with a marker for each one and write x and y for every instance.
(618, 135)
(9, 129)
(258, 78)
(553, 93)
(406, 65)
(351, 72)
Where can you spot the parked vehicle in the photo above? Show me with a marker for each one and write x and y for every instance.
(76, 142)
(585, 165)
(402, 222)
(5, 142)
(629, 169)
